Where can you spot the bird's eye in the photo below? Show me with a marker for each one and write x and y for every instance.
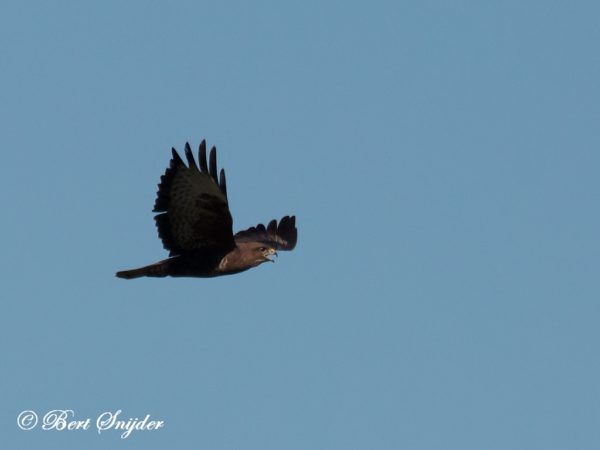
(263, 249)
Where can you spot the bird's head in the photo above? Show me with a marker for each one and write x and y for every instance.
(261, 253)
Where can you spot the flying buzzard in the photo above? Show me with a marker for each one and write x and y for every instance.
(195, 225)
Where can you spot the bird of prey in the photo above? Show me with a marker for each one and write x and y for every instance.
(195, 225)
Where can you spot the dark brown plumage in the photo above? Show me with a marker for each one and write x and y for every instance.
(195, 225)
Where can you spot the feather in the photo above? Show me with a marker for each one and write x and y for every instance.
(213, 164)
(202, 157)
(190, 157)
(223, 183)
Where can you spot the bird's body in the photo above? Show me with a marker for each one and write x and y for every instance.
(197, 265)
(195, 225)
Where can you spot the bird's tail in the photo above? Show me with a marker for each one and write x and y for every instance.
(159, 269)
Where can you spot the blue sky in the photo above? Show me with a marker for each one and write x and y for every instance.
(441, 159)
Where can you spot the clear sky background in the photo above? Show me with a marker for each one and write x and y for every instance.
(442, 159)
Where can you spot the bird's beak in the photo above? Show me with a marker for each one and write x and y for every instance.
(271, 252)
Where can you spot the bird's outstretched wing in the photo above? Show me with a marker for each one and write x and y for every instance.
(193, 205)
(280, 237)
